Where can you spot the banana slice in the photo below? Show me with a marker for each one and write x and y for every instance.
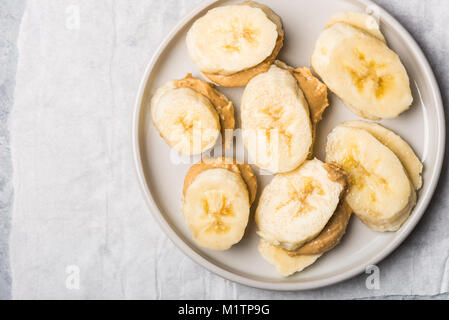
(395, 143)
(232, 44)
(216, 207)
(276, 126)
(222, 105)
(296, 206)
(360, 69)
(380, 192)
(190, 113)
(359, 20)
(231, 38)
(285, 265)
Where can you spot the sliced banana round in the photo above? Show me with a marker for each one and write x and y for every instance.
(231, 38)
(380, 192)
(361, 69)
(216, 207)
(232, 44)
(221, 103)
(285, 264)
(296, 206)
(276, 126)
(395, 143)
(186, 119)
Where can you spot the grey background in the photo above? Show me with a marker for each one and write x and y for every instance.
(425, 20)
(11, 12)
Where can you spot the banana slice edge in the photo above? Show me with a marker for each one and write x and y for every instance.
(176, 124)
(315, 93)
(395, 143)
(285, 264)
(330, 236)
(359, 20)
(242, 169)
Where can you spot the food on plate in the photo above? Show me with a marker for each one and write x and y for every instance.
(359, 20)
(330, 236)
(279, 111)
(353, 60)
(276, 126)
(314, 91)
(285, 264)
(231, 44)
(289, 262)
(302, 214)
(217, 196)
(382, 181)
(305, 210)
(395, 143)
(190, 114)
(296, 206)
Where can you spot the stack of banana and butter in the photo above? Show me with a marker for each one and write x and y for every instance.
(303, 212)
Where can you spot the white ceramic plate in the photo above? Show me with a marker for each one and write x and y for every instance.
(161, 179)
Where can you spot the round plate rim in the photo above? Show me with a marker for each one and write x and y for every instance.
(274, 285)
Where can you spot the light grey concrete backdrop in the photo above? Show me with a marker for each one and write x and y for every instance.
(10, 16)
(423, 19)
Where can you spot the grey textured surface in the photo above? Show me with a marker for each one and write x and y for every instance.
(10, 16)
(424, 19)
(427, 22)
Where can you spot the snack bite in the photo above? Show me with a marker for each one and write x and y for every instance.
(217, 196)
(190, 114)
(384, 172)
(354, 61)
(231, 44)
(280, 109)
(301, 215)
